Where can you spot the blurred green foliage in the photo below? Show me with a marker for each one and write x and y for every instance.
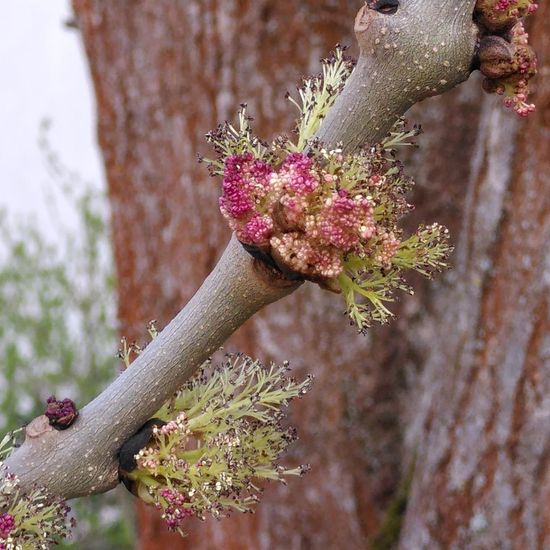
(55, 319)
(58, 331)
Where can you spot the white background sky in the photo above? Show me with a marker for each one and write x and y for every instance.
(43, 75)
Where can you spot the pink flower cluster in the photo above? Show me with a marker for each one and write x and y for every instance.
(516, 86)
(246, 186)
(245, 183)
(7, 525)
(175, 511)
(526, 64)
(516, 8)
(498, 15)
(298, 212)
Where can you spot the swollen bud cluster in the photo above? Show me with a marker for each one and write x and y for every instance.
(216, 441)
(324, 215)
(61, 413)
(509, 62)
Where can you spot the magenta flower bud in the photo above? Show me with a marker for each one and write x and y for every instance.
(7, 525)
(61, 414)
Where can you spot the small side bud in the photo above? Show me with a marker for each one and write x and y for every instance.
(61, 413)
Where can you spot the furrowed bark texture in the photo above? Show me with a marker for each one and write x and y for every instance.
(479, 416)
(165, 72)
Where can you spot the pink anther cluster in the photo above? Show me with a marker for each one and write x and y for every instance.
(499, 15)
(526, 68)
(516, 8)
(514, 84)
(175, 511)
(7, 525)
(300, 213)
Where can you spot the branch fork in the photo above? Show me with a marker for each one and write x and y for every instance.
(421, 49)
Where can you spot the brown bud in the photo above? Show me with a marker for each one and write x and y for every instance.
(497, 57)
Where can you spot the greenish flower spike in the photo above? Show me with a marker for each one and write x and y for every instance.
(318, 94)
(216, 441)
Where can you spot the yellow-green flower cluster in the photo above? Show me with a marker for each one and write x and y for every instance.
(32, 520)
(216, 441)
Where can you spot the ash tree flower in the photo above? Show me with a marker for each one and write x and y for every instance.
(32, 520)
(211, 447)
(504, 14)
(325, 215)
(7, 525)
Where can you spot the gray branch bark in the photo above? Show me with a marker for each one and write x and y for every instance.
(424, 49)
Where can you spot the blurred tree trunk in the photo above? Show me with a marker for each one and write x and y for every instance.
(478, 422)
(456, 382)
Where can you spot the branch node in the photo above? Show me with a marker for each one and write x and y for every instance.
(38, 426)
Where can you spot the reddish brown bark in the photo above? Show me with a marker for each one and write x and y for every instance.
(165, 72)
(480, 427)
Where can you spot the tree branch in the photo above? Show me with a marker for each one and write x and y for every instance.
(82, 459)
(424, 49)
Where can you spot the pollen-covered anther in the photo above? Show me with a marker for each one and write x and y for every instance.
(388, 247)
